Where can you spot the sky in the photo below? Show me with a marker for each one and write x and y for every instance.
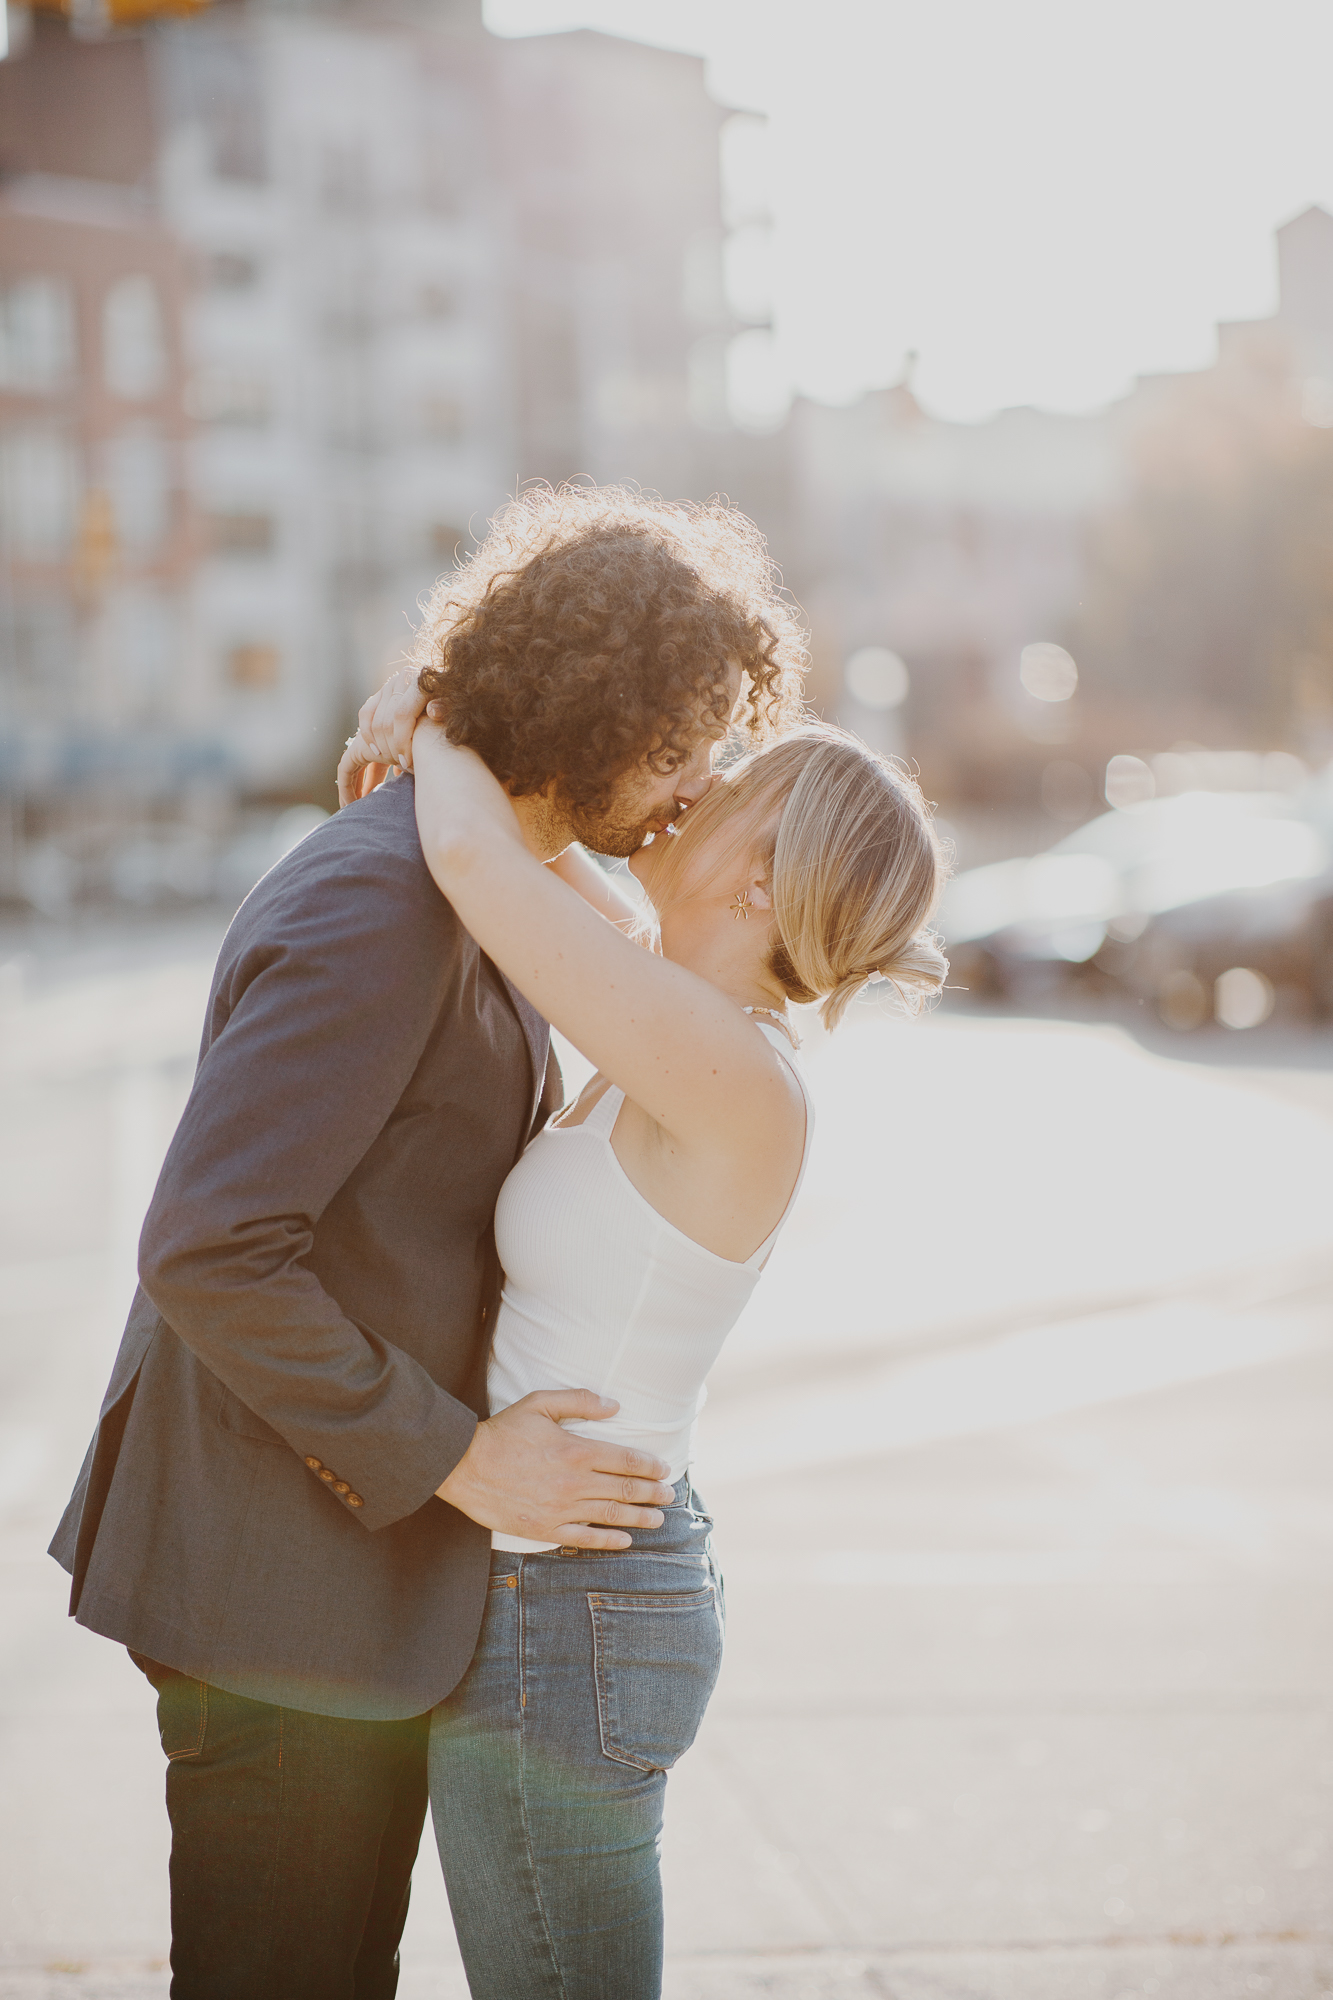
(1041, 198)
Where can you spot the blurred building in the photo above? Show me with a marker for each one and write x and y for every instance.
(293, 296)
(1206, 602)
(953, 545)
(294, 292)
(350, 373)
(1165, 543)
(607, 154)
(97, 541)
(1305, 308)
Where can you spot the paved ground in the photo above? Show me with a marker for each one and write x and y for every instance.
(1026, 1508)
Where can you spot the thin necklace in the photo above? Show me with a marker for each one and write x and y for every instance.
(781, 1020)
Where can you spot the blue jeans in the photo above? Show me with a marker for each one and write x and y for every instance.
(548, 1762)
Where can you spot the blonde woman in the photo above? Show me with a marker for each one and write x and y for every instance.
(632, 1232)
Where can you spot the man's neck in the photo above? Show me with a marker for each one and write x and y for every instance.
(546, 832)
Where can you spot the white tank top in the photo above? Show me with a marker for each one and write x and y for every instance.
(601, 1292)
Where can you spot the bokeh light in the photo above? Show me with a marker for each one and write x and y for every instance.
(1183, 1001)
(1242, 998)
(1129, 782)
(877, 678)
(1047, 671)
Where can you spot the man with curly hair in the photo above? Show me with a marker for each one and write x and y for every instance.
(588, 644)
(285, 1511)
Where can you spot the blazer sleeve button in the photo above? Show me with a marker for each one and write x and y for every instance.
(341, 1486)
(315, 1464)
(327, 1476)
(355, 1500)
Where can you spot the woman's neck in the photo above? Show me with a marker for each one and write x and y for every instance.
(745, 984)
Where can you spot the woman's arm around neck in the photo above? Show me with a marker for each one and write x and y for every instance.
(676, 1045)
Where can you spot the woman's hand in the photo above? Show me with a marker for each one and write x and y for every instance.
(359, 771)
(383, 740)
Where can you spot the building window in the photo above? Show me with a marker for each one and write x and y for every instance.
(442, 419)
(344, 176)
(217, 83)
(45, 645)
(39, 493)
(437, 301)
(143, 646)
(254, 665)
(230, 270)
(241, 534)
(138, 479)
(229, 395)
(134, 347)
(453, 147)
(36, 333)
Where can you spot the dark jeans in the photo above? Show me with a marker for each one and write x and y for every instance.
(292, 1843)
(549, 1760)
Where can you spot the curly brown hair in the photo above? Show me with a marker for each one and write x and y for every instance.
(596, 629)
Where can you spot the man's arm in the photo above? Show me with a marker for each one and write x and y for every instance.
(328, 1016)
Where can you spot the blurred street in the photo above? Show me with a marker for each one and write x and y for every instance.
(1024, 1495)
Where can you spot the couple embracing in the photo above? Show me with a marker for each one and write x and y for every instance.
(390, 1493)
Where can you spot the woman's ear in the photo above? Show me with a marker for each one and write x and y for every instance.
(760, 893)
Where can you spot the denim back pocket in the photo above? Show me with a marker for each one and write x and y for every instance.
(656, 1659)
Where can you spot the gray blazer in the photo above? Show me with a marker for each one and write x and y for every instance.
(305, 1359)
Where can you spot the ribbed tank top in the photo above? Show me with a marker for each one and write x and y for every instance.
(601, 1292)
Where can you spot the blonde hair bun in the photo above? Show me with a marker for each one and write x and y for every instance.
(918, 974)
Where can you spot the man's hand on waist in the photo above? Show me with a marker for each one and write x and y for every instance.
(523, 1475)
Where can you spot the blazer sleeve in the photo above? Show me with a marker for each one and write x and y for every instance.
(324, 1018)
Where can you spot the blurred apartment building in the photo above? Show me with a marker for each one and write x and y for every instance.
(956, 546)
(98, 544)
(291, 296)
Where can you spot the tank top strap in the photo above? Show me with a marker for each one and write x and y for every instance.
(779, 1040)
(604, 1113)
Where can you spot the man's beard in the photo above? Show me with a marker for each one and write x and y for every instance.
(608, 833)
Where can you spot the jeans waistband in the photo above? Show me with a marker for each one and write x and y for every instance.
(686, 1527)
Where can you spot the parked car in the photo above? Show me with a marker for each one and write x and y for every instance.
(1164, 898)
(1263, 915)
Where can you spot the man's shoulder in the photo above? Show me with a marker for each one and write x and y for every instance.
(372, 845)
(385, 824)
(366, 860)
